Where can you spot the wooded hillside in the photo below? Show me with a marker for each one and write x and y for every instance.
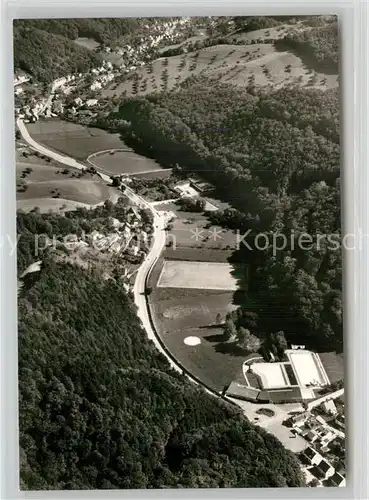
(276, 158)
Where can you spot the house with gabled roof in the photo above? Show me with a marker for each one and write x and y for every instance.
(325, 468)
(337, 480)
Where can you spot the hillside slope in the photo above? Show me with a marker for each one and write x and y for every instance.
(47, 56)
(100, 408)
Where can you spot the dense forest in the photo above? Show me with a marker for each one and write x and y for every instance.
(45, 48)
(100, 30)
(275, 156)
(47, 56)
(100, 408)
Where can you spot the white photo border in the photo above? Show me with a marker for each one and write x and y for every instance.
(354, 19)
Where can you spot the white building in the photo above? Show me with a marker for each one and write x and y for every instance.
(96, 86)
(18, 80)
(91, 102)
(330, 407)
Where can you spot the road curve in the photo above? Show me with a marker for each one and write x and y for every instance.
(65, 160)
(90, 158)
(143, 312)
(159, 223)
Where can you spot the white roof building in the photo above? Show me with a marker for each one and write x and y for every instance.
(330, 407)
(96, 86)
(91, 102)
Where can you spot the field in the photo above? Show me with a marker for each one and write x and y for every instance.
(334, 365)
(271, 33)
(50, 189)
(46, 205)
(29, 157)
(205, 255)
(193, 230)
(73, 139)
(192, 283)
(127, 162)
(193, 315)
(258, 63)
(207, 275)
(88, 43)
(81, 142)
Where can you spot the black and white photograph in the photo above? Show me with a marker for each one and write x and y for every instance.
(179, 253)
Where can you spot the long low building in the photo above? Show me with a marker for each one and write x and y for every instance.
(296, 379)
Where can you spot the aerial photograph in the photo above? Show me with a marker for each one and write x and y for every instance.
(179, 253)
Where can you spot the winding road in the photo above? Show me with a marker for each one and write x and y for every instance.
(159, 222)
(158, 238)
(65, 160)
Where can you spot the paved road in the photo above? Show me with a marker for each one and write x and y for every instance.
(327, 397)
(158, 236)
(139, 287)
(65, 160)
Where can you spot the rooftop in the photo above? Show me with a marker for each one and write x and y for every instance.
(242, 391)
(310, 452)
(324, 466)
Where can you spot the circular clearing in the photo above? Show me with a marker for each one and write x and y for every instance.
(192, 341)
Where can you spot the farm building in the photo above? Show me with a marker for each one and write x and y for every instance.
(289, 381)
(185, 189)
(201, 186)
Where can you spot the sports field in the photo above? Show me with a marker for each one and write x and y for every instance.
(73, 139)
(189, 274)
(127, 162)
(187, 326)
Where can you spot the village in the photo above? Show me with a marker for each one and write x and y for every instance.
(292, 396)
(31, 104)
(128, 239)
(323, 426)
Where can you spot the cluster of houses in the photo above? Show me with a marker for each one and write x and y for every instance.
(102, 75)
(34, 108)
(133, 57)
(321, 470)
(127, 238)
(324, 430)
(167, 32)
